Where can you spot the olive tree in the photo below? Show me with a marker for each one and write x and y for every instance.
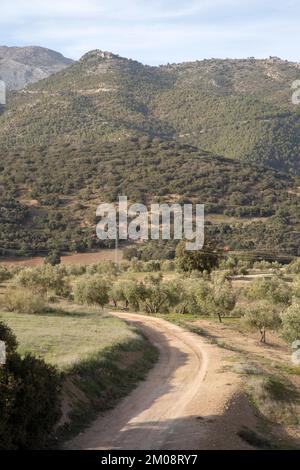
(116, 292)
(44, 278)
(92, 290)
(273, 289)
(291, 321)
(262, 316)
(134, 293)
(217, 298)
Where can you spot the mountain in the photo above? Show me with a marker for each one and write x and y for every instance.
(220, 132)
(238, 108)
(20, 66)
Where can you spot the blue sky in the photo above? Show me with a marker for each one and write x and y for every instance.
(156, 31)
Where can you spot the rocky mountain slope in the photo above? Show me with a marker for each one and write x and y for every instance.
(20, 66)
(238, 108)
(107, 125)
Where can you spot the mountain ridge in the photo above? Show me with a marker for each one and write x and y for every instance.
(21, 66)
(107, 125)
(239, 108)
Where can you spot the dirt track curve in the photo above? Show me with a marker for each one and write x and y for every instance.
(182, 404)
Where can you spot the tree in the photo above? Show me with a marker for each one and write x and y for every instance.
(217, 299)
(262, 316)
(223, 298)
(273, 289)
(201, 260)
(160, 296)
(134, 293)
(116, 292)
(130, 252)
(44, 278)
(291, 321)
(92, 290)
(53, 258)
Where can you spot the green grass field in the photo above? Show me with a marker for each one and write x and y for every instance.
(64, 337)
(102, 358)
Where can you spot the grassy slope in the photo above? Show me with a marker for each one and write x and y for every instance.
(101, 357)
(64, 338)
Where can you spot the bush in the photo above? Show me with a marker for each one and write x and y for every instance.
(294, 267)
(7, 336)
(129, 253)
(23, 301)
(134, 293)
(29, 398)
(168, 265)
(151, 266)
(75, 269)
(136, 266)
(53, 258)
(5, 274)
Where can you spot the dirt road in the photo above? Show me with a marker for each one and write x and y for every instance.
(185, 402)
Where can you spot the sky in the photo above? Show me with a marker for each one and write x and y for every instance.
(156, 31)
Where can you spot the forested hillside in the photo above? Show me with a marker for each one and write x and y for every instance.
(107, 126)
(238, 108)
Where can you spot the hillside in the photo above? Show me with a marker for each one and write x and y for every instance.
(21, 66)
(237, 108)
(50, 194)
(107, 125)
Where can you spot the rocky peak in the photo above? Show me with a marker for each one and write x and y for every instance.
(98, 54)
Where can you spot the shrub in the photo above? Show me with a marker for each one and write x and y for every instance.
(151, 266)
(134, 293)
(53, 258)
(7, 336)
(294, 267)
(124, 266)
(116, 292)
(136, 266)
(168, 265)
(75, 269)
(29, 398)
(23, 301)
(5, 274)
(129, 253)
